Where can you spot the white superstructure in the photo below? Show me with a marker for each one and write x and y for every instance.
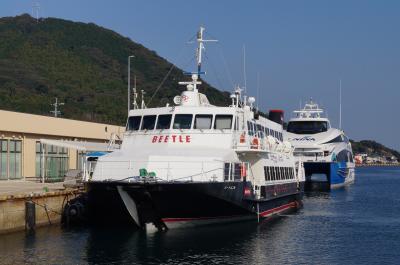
(315, 141)
(196, 141)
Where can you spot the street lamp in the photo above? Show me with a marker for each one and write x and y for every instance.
(129, 82)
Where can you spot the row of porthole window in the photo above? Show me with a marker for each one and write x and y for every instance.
(278, 173)
(261, 131)
(180, 121)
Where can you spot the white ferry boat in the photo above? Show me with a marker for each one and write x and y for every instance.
(325, 151)
(195, 163)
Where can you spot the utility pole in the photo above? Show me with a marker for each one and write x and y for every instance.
(340, 104)
(129, 82)
(56, 105)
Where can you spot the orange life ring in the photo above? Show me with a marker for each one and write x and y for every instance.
(242, 138)
(254, 143)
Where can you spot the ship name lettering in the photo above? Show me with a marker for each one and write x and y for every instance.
(171, 139)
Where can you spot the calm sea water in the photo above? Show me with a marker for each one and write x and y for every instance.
(357, 225)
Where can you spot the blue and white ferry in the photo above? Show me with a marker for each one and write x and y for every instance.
(325, 151)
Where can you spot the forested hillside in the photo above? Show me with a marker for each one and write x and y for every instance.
(84, 65)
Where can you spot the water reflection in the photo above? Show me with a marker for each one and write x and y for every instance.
(346, 226)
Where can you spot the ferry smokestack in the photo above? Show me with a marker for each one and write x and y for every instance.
(276, 115)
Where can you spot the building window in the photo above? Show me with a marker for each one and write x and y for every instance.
(56, 162)
(15, 159)
(4, 159)
(10, 159)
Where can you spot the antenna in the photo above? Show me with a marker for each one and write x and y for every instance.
(135, 94)
(56, 104)
(129, 82)
(258, 88)
(35, 11)
(244, 69)
(143, 105)
(340, 103)
(200, 48)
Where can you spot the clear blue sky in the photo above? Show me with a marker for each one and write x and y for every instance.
(300, 48)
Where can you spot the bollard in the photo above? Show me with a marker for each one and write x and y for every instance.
(30, 216)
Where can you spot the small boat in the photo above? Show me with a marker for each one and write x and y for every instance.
(325, 151)
(195, 163)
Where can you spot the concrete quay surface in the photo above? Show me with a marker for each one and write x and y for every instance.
(49, 200)
(12, 187)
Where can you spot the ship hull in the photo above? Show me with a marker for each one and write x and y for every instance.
(327, 176)
(186, 204)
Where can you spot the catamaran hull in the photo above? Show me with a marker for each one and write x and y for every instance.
(171, 205)
(334, 175)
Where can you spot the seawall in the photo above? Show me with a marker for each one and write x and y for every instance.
(48, 208)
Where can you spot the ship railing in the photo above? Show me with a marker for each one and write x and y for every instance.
(242, 141)
(170, 171)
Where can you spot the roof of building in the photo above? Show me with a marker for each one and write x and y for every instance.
(44, 125)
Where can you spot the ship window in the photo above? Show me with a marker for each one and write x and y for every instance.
(183, 121)
(260, 131)
(338, 139)
(164, 121)
(227, 167)
(266, 173)
(203, 121)
(307, 127)
(237, 171)
(344, 156)
(250, 128)
(148, 122)
(271, 173)
(275, 173)
(134, 123)
(223, 122)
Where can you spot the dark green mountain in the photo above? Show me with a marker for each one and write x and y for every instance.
(84, 65)
(373, 148)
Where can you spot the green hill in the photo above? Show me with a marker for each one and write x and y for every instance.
(84, 65)
(373, 148)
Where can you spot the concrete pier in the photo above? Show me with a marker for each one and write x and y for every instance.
(49, 199)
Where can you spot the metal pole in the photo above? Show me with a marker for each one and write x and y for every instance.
(42, 166)
(129, 83)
